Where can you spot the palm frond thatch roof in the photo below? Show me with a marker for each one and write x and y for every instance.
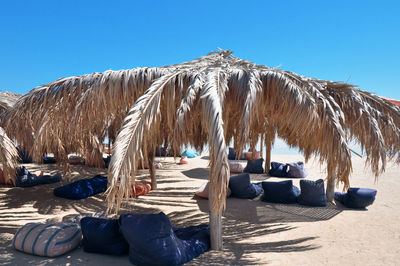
(208, 101)
(219, 97)
(8, 152)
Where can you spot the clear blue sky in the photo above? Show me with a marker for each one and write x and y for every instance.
(352, 41)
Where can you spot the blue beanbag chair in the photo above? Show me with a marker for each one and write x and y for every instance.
(25, 179)
(357, 198)
(190, 154)
(254, 167)
(24, 156)
(154, 241)
(296, 170)
(241, 187)
(103, 236)
(278, 169)
(280, 192)
(231, 154)
(312, 193)
(83, 188)
(49, 160)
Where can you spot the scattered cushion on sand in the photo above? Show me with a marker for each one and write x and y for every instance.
(140, 188)
(312, 193)
(154, 241)
(190, 154)
(248, 155)
(278, 169)
(231, 154)
(23, 155)
(183, 160)
(25, 179)
(83, 188)
(47, 239)
(358, 198)
(76, 160)
(102, 236)
(280, 192)
(254, 167)
(241, 187)
(296, 170)
(49, 160)
(235, 167)
(202, 192)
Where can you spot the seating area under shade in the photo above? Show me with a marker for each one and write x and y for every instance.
(149, 239)
(311, 193)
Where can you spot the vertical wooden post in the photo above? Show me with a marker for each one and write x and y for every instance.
(215, 225)
(330, 189)
(268, 148)
(216, 231)
(152, 171)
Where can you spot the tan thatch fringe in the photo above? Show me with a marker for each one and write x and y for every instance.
(8, 156)
(211, 100)
(8, 153)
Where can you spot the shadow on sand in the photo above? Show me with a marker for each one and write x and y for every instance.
(242, 220)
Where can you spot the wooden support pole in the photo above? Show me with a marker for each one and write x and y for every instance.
(330, 189)
(216, 231)
(215, 225)
(152, 171)
(268, 147)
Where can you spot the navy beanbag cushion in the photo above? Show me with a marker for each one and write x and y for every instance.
(231, 154)
(24, 156)
(312, 193)
(103, 236)
(241, 187)
(25, 179)
(83, 188)
(278, 169)
(153, 241)
(49, 160)
(280, 192)
(254, 167)
(296, 170)
(358, 198)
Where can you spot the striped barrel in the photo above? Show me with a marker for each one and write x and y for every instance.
(47, 239)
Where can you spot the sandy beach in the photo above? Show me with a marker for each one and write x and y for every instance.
(254, 232)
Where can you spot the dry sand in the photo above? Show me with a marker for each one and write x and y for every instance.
(255, 233)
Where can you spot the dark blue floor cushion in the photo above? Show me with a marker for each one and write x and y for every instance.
(296, 170)
(24, 156)
(312, 193)
(83, 188)
(254, 167)
(49, 160)
(103, 236)
(358, 198)
(231, 154)
(280, 192)
(278, 169)
(25, 179)
(241, 187)
(154, 241)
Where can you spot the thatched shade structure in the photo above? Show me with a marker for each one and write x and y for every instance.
(76, 114)
(8, 152)
(208, 101)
